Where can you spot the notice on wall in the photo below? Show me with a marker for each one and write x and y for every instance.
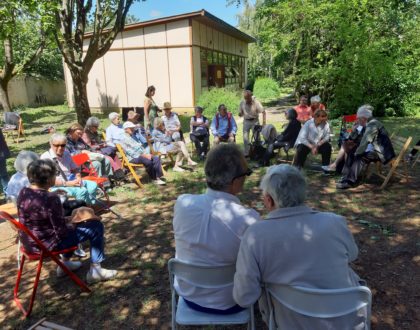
(219, 74)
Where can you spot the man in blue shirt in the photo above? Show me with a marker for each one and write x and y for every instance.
(223, 126)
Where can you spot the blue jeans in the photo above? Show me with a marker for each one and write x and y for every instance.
(4, 177)
(153, 166)
(87, 192)
(92, 231)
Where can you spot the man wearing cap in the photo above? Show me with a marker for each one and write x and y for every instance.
(171, 121)
(114, 131)
(250, 108)
(374, 146)
(136, 154)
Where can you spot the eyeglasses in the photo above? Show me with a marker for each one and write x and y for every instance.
(248, 172)
(59, 145)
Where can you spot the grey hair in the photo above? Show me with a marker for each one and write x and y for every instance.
(315, 98)
(224, 163)
(285, 184)
(113, 115)
(157, 122)
(58, 137)
(92, 121)
(365, 111)
(23, 159)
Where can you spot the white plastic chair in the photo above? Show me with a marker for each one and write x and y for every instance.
(318, 303)
(204, 277)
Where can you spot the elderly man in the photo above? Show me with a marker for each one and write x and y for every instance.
(208, 227)
(68, 173)
(314, 138)
(171, 121)
(223, 126)
(303, 110)
(250, 108)
(114, 132)
(374, 146)
(136, 154)
(294, 245)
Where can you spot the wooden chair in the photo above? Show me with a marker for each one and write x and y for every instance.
(130, 166)
(417, 157)
(400, 145)
(44, 324)
(12, 129)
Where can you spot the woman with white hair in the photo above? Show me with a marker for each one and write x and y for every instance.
(374, 146)
(295, 245)
(164, 144)
(114, 132)
(19, 180)
(316, 104)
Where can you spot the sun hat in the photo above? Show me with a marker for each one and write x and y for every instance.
(167, 106)
(132, 115)
(83, 214)
(128, 124)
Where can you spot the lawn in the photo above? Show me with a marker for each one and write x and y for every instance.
(385, 225)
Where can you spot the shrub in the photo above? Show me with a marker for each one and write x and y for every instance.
(266, 89)
(211, 99)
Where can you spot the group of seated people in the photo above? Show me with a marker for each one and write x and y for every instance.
(294, 245)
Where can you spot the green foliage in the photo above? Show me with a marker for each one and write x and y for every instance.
(266, 89)
(349, 52)
(211, 99)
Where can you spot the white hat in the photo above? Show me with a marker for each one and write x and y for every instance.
(128, 124)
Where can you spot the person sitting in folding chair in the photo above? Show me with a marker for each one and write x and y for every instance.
(171, 121)
(163, 143)
(75, 145)
(374, 146)
(295, 245)
(42, 213)
(208, 227)
(68, 177)
(136, 154)
(223, 126)
(199, 128)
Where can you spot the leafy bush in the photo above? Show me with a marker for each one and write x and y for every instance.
(211, 99)
(266, 89)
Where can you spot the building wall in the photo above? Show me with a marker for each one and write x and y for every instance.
(30, 91)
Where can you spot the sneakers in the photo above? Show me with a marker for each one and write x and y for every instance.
(97, 274)
(178, 169)
(159, 182)
(80, 252)
(328, 168)
(192, 163)
(72, 265)
(344, 185)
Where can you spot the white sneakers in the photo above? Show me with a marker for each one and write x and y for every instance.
(97, 274)
(178, 169)
(72, 265)
(159, 182)
(192, 163)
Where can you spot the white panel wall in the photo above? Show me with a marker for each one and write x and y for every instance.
(136, 76)
(203, 35)
(155, 35)
(133, 38)
(178, 33)
(180, 76)
(118, 42)
(157, 74)
(196, 32)
(115, 79)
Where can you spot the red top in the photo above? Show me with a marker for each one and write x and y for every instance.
(303, 112)
(313, 108)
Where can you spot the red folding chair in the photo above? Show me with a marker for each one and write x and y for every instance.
(346, 120)
(44, 254)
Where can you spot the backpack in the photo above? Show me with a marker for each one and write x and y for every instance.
(200, 131)
(256, 149)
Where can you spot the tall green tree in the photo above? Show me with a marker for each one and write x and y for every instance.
(72, 17)
(23, 28)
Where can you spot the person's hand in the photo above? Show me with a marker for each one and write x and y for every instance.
(314, 150)
(73, 183)
(148, 156)
(85, 151)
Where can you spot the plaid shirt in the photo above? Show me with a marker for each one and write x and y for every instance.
(132, 148)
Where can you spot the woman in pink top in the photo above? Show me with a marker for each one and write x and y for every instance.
(303, 110)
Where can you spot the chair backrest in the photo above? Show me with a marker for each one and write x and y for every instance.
(125, 161)
(12, 118)
(321, 303)
(349, 118)
(80, 159)
(208, 277)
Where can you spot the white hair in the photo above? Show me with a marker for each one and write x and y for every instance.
(285, 184)
(113, 115)
(315, 98)
(58, 137)
(23, 159)
(365, 111)
(92, 121)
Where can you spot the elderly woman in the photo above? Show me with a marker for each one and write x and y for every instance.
(41, 212)
(314, 138)
(374, 146)
(316, 104)
(19, 180)
(164, 144)
(75, 145)
(295, 246)
(114, 132)
(94, 140)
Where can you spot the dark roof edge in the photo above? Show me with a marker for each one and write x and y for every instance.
(202, 13)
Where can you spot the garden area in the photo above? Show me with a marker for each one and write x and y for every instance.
(385, 224)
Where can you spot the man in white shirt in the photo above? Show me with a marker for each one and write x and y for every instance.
(250, 108)
(295, 245)
(171, 121)
(208, 227)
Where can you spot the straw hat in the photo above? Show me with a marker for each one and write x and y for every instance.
(132, 115)
(83, 214)
(167, 106)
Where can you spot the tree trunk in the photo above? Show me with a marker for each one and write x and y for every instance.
(4, 96)
(81, 102)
